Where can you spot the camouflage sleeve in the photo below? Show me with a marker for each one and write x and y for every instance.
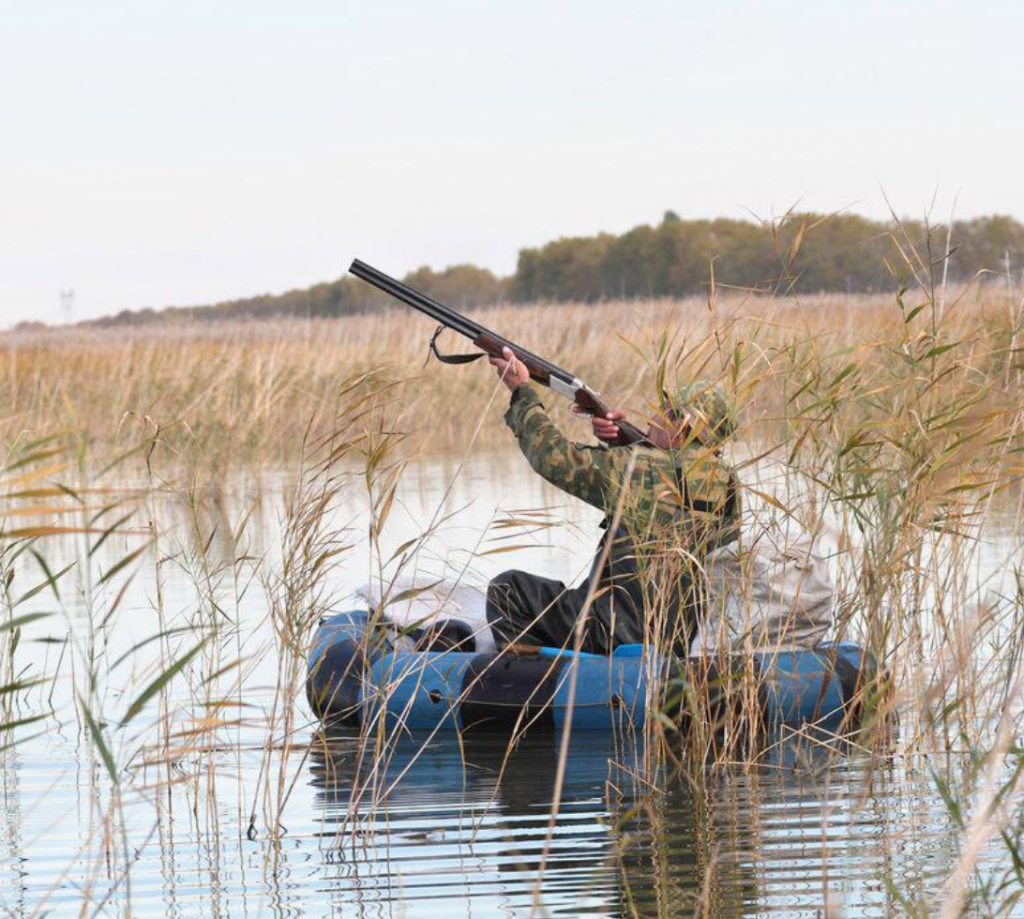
(591, 474)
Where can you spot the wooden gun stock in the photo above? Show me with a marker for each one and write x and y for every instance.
(589, 404)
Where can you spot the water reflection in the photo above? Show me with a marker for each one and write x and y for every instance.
(459, 819)
(459, 826)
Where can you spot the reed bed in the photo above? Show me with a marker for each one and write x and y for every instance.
(897, 419)
(244, 393)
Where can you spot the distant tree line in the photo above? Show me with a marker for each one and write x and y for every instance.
(807, 253)
(458, 286)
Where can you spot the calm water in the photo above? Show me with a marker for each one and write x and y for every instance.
(455, 837)
(441, 827)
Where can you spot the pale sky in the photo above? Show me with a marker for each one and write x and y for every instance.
(158, 153)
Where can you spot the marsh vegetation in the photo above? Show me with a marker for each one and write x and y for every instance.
(181, 506)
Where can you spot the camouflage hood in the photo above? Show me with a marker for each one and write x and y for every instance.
(712, 416)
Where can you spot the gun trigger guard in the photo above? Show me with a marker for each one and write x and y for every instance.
(451, 358)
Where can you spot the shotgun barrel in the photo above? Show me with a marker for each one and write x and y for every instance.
(491, 343)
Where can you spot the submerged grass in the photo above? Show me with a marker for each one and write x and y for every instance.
(896, 422)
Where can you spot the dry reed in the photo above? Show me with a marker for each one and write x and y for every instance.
(243, 393)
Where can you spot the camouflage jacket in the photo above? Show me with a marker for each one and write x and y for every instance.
(685, 498)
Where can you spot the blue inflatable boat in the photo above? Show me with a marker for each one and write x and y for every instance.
(358, 674)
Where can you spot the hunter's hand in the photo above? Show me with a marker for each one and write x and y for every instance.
(511, 371)
(605, 428)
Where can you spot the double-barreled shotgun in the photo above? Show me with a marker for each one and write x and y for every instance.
(561, 381)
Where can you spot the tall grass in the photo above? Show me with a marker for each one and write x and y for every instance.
(237, 394)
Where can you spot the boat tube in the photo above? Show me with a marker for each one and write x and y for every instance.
(358, 673)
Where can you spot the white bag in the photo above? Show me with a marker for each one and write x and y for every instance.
(422, 604)
(767, 591)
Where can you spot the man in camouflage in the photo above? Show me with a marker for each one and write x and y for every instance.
(668, 502)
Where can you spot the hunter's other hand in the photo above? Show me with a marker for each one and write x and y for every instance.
(605, 428)
(511, 371)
